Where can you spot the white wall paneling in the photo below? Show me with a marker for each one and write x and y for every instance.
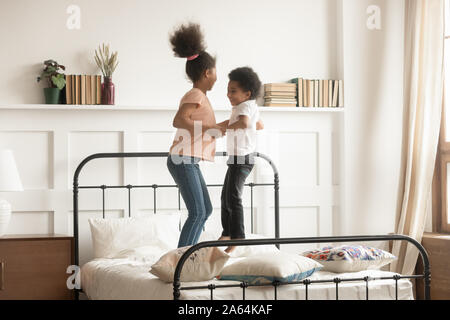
(36, 145)
(31, 222)
(304, 146)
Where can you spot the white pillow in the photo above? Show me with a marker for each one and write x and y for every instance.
(112, 235)
(203, 264)
(242, 251)
(145, 254)
(269, 267)
(350, 258)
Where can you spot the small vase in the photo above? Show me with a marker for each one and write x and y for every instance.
(107, 91)
(52, 95)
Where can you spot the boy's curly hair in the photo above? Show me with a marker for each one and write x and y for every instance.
(248, 80)
(187, 41)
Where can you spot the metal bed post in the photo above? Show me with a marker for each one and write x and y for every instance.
(75, 226)
(103, 187)
(276, 181)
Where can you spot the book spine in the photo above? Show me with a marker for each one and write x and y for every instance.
(77, 89)
(304, 103)
(93, 96)
(280, 105)
(68, 89)
(341, 94)
(316, 93)
(83, 89)
(99, 89)
(88, 90)
(325, 93)
(300, 92)
(320, 93)
(335, 93)
(310, 93)
(306, 93)
(72, 80)
(330, 93)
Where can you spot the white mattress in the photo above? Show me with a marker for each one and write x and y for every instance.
(128, 278)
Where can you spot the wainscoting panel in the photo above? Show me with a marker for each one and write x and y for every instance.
(83, 144)
(299, 222)
(31, 222)
(33, 154)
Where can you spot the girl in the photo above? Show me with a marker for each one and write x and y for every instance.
(196, 131)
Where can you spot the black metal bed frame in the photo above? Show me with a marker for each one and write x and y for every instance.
(246, 242)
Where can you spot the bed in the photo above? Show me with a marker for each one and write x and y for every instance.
(126, 275)
(128, 278)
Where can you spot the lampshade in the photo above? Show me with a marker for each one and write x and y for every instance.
(9, 176)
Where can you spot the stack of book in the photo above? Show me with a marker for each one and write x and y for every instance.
(280, 94)
(83, 89)
(319, 93)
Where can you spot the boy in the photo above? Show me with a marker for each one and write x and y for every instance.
(243, 88)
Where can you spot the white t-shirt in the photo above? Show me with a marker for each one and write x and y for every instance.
(241, 142)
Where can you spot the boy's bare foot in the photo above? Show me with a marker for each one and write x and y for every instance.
(230, 249)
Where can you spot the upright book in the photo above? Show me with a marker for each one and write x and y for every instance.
(320, 93)
(83, 89)
(325, 93)
(335, 93)
(316, 93)
(88, 90)
(98, 89)
(299, 83)
(340, 93)
(69, 89)
(311, 93)
(78, 89)
(93, 92)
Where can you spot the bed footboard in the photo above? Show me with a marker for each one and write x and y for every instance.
(426, 276)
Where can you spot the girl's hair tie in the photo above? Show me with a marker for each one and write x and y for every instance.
(192, 57)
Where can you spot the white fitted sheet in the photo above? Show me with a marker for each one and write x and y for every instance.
(129, 278)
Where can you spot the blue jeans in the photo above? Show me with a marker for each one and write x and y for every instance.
(188, 177)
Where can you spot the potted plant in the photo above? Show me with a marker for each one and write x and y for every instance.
(55, 81)
(107, 64)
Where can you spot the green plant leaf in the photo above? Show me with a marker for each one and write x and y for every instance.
(59, 81)
(50, 69)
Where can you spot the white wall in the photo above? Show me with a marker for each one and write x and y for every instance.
(373, 77)
(279, 39)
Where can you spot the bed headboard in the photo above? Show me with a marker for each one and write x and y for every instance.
(77, 187)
